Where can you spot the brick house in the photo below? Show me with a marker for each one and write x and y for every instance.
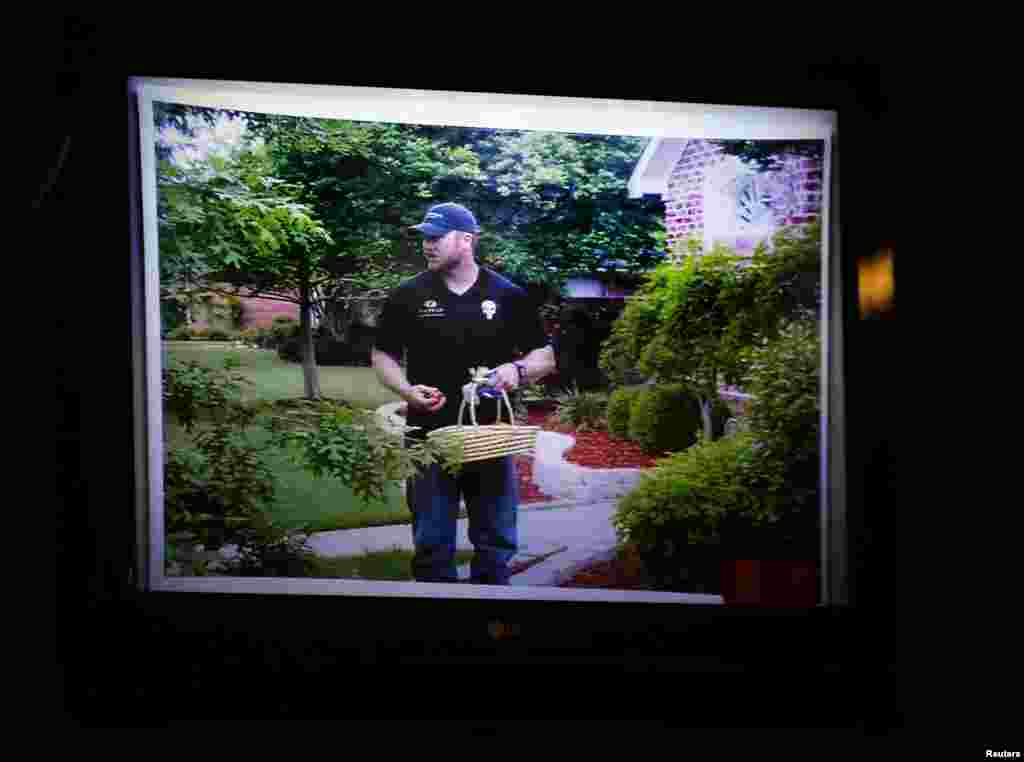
(719, 199)
(256, 313)
(260, 313)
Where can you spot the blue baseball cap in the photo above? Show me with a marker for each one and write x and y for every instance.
(442, 219)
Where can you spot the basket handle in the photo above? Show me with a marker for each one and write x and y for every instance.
(472, 407)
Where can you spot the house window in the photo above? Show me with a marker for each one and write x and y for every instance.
(742, 206)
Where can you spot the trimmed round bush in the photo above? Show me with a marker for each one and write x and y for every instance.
(675, 515)
(328, 352)
(618, 410)
(290, 350)
(664, 418)
(284, 328)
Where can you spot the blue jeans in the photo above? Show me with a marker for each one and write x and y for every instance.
(491, 490)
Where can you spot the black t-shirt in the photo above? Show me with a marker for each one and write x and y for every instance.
(446, 334)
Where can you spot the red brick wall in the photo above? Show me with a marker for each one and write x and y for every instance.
(260, 313)
(684, 209)
(256, 313)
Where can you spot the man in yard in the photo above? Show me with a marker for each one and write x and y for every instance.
(455, 316)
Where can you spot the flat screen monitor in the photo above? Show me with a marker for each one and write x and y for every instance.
(596, 211)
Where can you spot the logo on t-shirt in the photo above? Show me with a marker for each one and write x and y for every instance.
(430, 309)
(489, 308)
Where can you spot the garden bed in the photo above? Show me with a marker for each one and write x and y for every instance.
(624, 572)
(595, 449)
(592, 449)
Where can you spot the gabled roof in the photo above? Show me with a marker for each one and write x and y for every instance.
(655, 165)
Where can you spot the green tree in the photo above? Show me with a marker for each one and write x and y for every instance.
(764, 154)
(238, 231)
(553, 205)
(697, 342)
(695, 323)
(368, 182)
(307, 214)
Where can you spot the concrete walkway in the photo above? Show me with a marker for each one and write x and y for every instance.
(561, 538)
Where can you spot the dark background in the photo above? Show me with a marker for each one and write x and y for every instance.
(130, 660)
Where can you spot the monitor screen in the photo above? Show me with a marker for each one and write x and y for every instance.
(309, 260)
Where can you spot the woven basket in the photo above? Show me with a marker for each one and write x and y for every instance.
(491, 441)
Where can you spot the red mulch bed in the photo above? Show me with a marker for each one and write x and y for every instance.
(593, 449)
(626, 572)
(596, 449)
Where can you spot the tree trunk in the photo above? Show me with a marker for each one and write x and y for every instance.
(188, 304)
(705, 414)
(309, 369)
(705, 406)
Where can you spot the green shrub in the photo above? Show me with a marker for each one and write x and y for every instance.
(619, 403)
(218, 490)
(632, 330)
(664, 418)
(585, 411)
(285, 327)
(285, 334)
(785, 523)
(290, 350)
(172, 316)
(220, 334)
(784, 383)
(351, 445)
(354, 352)
(265, 337)
(181, 333)
(329, 352)
(784, 419)
(221, 482)
(675, 515)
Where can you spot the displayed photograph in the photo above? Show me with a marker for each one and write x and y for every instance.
(438, 356)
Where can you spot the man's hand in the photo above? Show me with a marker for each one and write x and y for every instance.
(507, 377)
(424, 399)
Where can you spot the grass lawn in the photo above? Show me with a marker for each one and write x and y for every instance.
(274, 379)
(301, 497)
